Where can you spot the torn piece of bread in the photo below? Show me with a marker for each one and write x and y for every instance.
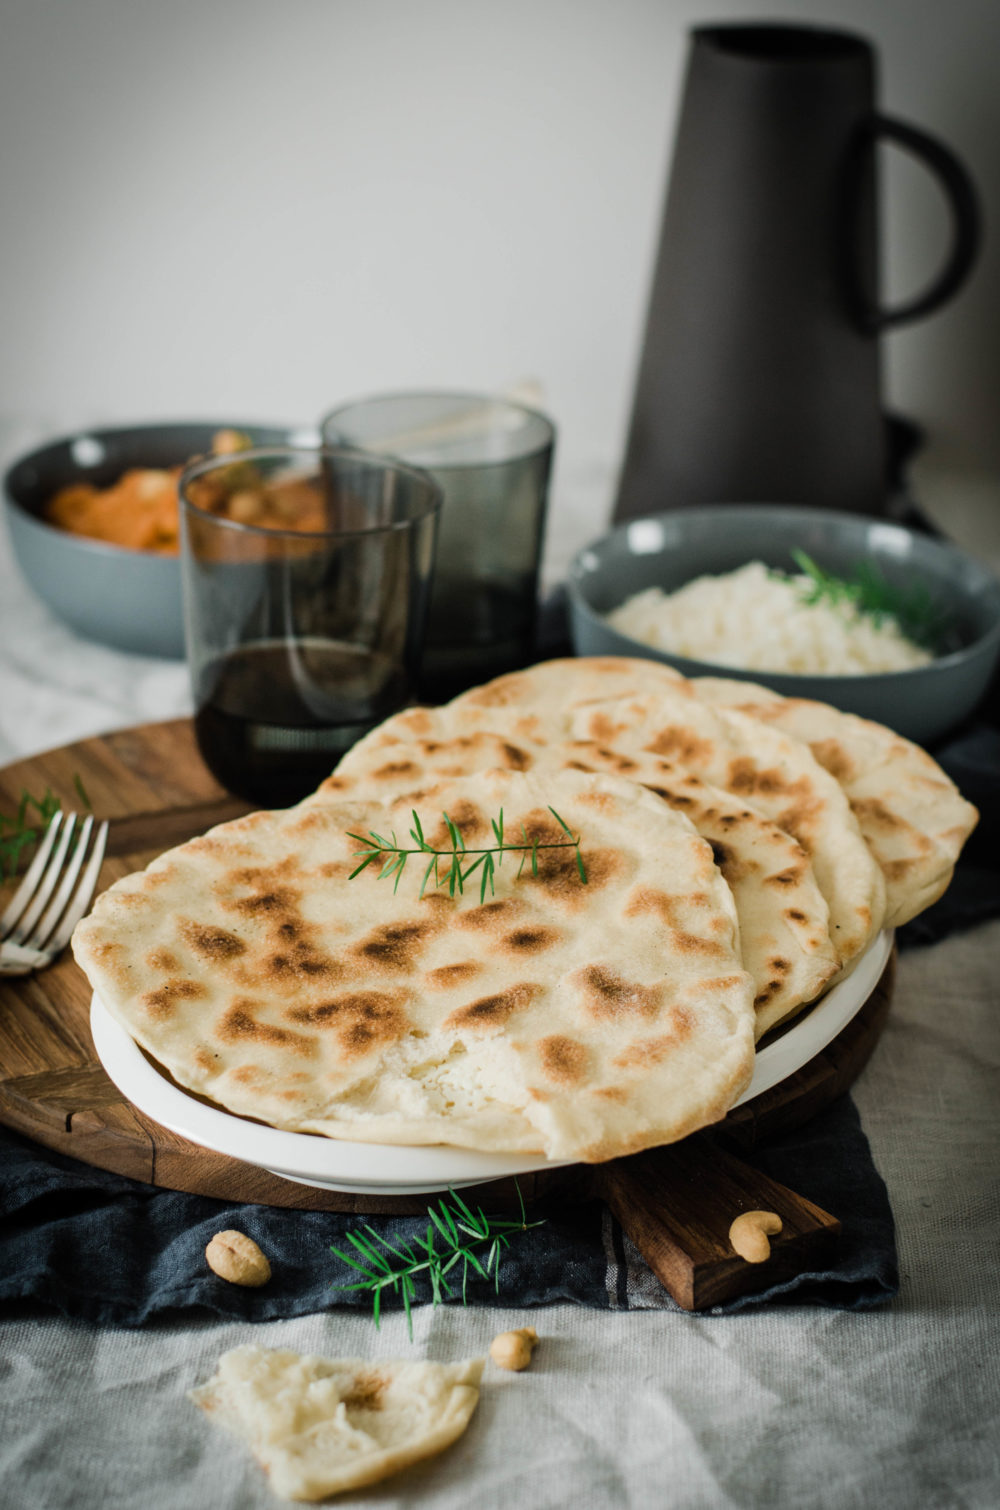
(319, 1426)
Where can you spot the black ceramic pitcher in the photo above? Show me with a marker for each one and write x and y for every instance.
(759, 380)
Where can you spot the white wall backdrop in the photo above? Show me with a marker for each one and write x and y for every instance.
(264, 207)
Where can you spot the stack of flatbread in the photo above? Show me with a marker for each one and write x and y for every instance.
(740, 852)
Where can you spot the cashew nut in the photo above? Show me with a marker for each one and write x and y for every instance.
(237, 1258)
(749, 1234)
(513, 1349)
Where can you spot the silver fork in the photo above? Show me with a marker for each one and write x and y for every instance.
(53, 896)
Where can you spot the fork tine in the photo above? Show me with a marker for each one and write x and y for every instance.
(22, 896)
(56, 908)
(84, 892)
(46, 885)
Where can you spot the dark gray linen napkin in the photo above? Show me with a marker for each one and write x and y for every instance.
(113, 1251)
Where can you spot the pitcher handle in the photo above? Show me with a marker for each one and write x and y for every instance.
(966, 221)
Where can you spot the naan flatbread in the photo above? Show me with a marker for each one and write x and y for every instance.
(769, 770)
(911, 814)
(565, 682)
(581, 1021)
(319, 1426)
(726, 749)
(783, 917)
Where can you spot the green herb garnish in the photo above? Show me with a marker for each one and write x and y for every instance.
(454, 1233)
(394, 855)
(26, 827)
(870, 592)
(17, 833)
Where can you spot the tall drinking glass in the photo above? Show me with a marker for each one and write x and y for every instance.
(492, 459)
(306, 577)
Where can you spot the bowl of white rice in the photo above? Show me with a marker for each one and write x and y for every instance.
(858, 612)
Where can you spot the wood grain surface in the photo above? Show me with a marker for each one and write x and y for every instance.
(676, 1204)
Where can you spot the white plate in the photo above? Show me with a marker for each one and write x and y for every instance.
(382, 1169)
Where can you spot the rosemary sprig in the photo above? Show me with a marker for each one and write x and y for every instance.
(869, 591)
(24, 829)
(393, 855)
(454, 1233)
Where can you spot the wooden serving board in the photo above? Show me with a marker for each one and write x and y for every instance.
(676, 1203)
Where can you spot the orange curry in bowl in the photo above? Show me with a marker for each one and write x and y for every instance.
(140, 511)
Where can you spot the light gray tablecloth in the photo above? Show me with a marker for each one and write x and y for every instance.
(796, 1408)
(786, 1408)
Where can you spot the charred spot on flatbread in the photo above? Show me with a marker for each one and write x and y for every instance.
(301, 963)
(272, 902)
(790, 876)
(778, 969)
(607, 759)
(444, 977)
(211, 943)
(729, 863)
(832, 756)
(394, 946)
(335, 784)
(362, 1020)
(603, 727)
(241, 1023)
(489, 917)
(161, 1002)
(162, 959)
(437, 902)
(653, 1050)
(514, 757)
(678, 742)
(496, 1010)
(559, 876)
(394, 769)
(877, 817)
(367, 1392)
(529, 940)
(555, 869)
(606, 994)
(677, 914)
(564, 1059)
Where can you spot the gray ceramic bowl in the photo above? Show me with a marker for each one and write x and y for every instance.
(667, 550)
(127, 598)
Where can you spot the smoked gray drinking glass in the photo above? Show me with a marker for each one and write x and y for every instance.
(492, 458)
(306, 577)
